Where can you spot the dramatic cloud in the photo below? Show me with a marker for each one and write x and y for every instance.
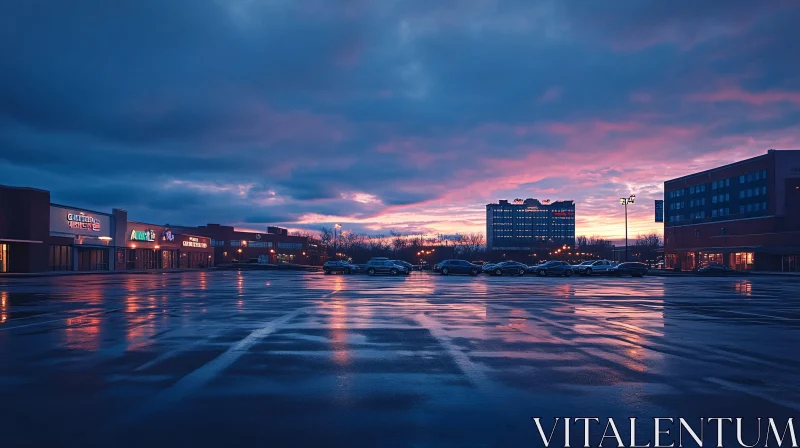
(405, 115)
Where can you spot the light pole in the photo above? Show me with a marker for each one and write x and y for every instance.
(625, 202)
(335, 242)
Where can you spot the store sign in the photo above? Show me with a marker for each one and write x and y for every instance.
(167, 235)
(83, 221)
(69, 222)
(143, 235)
(659, 210)
(564, 214)
(193, 241)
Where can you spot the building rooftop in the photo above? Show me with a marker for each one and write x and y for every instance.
(530, 201)
(730, 165)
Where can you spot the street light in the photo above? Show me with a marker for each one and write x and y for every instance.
(625, 202)
(335, 242)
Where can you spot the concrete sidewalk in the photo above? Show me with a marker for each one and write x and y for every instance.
(74, 273)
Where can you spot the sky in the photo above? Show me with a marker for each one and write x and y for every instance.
(388, 115)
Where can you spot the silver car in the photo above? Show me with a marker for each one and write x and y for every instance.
(595, 267)
(383, 266)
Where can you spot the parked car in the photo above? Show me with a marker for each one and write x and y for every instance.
(594, 267)
(409, 267)
(716, 269)
(339, 266)
(633, 269)
(383, 266)
(506, 267)
(448, 267)
(552, 268)
(576, 268)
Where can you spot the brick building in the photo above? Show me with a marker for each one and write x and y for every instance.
(745, 215)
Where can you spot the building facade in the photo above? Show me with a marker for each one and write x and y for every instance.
(274, 247)
(149, 246)
(529, 225)
(38, 236)
(745, 215)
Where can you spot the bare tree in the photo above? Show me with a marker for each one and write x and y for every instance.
(651, 240)
(469, 244)
(399, 242)
(582, 241)
(646, 247)
(302, 233)
(326, 235)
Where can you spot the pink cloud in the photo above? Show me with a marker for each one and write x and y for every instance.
(550, 95)
(640, 97)
(739, 95)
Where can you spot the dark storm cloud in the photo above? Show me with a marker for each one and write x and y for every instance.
(268, 111)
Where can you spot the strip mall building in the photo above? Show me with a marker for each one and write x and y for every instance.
(37, 236)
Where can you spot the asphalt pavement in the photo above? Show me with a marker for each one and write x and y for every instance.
(306, 359)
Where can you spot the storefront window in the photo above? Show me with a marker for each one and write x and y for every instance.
(706, 259)
(92, 259)
(60, 258)
(285, 258)
(3, 258)
(742, 261)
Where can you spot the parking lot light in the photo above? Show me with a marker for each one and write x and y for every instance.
(625, 202)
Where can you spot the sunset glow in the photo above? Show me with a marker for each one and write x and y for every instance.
(390, 116)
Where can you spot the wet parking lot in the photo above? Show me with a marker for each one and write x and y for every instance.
(305, 359)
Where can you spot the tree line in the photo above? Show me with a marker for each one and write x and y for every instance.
(360, 247)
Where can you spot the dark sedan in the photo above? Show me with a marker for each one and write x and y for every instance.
(458, 267)
(552, 268)
(506, 267)
(339, 266)
(409, 267)
(632, 269)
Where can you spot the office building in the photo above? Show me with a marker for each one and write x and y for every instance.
(745, 215)
(530, 224)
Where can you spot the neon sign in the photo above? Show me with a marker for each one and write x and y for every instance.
(195, 242)
(168, 236)
(143, 235)
(83, 221)
(564, 214)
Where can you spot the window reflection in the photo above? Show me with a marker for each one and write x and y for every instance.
(744, 288)
(3, 306)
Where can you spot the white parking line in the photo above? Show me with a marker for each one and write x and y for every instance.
(753, 391)
(474, 373)
(211, 369)
(200, 376)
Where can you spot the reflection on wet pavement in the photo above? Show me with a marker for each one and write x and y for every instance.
(204, 358)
